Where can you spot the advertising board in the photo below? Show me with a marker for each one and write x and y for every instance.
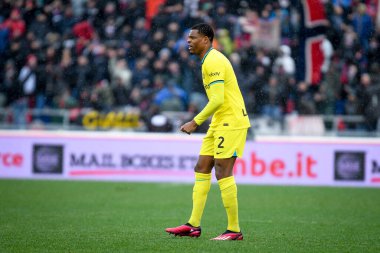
(171, 158)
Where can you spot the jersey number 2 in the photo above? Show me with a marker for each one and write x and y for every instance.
(221, 142)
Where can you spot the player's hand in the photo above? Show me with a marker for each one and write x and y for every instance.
(189, 127)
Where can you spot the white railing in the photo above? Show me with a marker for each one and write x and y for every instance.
(332, 125)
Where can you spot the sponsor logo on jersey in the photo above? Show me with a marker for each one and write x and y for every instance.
(214, 74)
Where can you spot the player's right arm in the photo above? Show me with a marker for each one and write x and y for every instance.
(214, 69)
(215, 101)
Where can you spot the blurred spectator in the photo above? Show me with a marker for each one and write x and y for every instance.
(258, 85)
(352, 104)
(284, 62)
(305, 101)
(121, 92)
(139, 33)
(65, 25)
(8, 89)
(345, 5)
(101, 97)
(28, 78)
(65, 100)
(160, 20)
(84, 32)
(4, 38)
(141, 73)
(120, 72)
(368, 97)
(223, 19)
(83, 72)
(99, 60)
(24, 91)
(224, 41)
(328, 51)
(83, 29)
(320, 100)
(40, 26)
(15, 24)
(170, 97)
(285, 22)
(290, 96)
(332, 89)
(272, 95)
(363, 25)
(174, 73)
(111, 54)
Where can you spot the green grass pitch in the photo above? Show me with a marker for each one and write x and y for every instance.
(73, 216)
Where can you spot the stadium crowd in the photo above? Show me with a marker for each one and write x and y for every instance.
(108, 54)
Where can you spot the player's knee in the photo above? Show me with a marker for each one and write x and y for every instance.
(220, 173)
(201, 169)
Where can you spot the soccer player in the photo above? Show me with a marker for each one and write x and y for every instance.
(225, 138)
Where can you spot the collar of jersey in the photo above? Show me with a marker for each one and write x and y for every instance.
(204, 57)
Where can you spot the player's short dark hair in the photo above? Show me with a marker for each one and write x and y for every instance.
(204, 29)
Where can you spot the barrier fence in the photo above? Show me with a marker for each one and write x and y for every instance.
(74, 155)
(129, 119)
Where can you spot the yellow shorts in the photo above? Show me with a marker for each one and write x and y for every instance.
(224, 144)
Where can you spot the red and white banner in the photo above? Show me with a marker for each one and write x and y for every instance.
(311, 33)
(171, 158)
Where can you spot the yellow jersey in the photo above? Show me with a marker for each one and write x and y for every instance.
(226, 102)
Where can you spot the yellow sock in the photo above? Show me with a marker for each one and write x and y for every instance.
(201, 188)
(228, 191)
